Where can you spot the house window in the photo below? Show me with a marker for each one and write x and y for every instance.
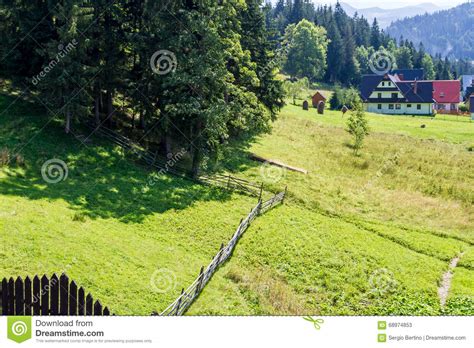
(409, 105)
(383, 84)
(441, 94)
(398, 106)
(418, 107)
(394, 95)
(390, 106)
(379, 106)
(453, 107)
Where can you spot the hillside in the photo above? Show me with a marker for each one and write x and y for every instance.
(132, 247)
(348, 225)
(447, 32)
(358, 236)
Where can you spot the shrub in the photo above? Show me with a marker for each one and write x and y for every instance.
(4, 157)
(344, 96)
(20, 160)
(357, 125)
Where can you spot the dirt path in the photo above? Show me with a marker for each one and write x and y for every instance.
(443, 290)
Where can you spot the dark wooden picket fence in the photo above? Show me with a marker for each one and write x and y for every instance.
(187, 297)
(41, 297)
(227, 182)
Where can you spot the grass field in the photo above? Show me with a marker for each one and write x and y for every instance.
(395, 216)
(120, 242)
(371, 234)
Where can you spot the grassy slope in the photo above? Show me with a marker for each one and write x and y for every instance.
(99, 225)
(351, 219)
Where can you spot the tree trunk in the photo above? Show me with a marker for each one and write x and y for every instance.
(142, 119)
(67, 128)
(197, 152)
(110, 107)
(168, 148)
(97, 109)
(196, 162)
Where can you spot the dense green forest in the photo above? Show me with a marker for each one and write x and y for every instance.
(353, 41)
(446, 32)
(191, 74)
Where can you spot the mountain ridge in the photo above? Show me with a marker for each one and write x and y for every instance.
(446, 32)
(386, 16)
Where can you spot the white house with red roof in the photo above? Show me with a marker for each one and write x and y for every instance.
(447, 95)
(404, 92)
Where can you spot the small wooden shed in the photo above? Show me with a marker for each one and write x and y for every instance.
(317, 98)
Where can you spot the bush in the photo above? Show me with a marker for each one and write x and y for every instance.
(343, 96)
(358, 125)
(4, 157)
(463, 108)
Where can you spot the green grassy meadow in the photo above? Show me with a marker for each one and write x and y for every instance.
(395, 216)
(371, 234)
(100, 226)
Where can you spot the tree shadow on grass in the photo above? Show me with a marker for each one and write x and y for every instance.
(101, 181)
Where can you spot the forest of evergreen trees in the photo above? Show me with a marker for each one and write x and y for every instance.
(92, 59)
(353, 40)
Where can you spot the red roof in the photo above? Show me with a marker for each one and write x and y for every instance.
(447, 91)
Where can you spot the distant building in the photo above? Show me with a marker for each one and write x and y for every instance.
(317, 98)
(447, 95)
(469, 91)
(471, 106)
(409, 74)
(389, 94)
(467, 82)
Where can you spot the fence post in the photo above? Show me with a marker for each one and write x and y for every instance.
(45, 290)
(19, 297)
(5, 310)
(178, 305)
(261, 193)
(220, 255)
(64, 297)
(228, 183)
(28, 294)
(199, 284)
(284, 196)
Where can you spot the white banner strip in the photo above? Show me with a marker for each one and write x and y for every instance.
(229, 332)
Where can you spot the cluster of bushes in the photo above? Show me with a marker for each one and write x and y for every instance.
(344, 97)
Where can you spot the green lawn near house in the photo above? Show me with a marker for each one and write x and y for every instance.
(398, 213)
(448, 128)
(132, 247)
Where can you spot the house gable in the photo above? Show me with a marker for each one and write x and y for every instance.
(447, 92)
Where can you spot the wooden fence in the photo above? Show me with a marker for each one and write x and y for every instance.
(55, 296)
(227, 182)
(184, 301)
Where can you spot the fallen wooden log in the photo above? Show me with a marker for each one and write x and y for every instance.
(277, 163)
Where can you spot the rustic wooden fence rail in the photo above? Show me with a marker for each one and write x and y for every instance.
(227, 182)
(184, 301)
(42, 297)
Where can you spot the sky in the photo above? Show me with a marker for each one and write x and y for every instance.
(393, 3)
